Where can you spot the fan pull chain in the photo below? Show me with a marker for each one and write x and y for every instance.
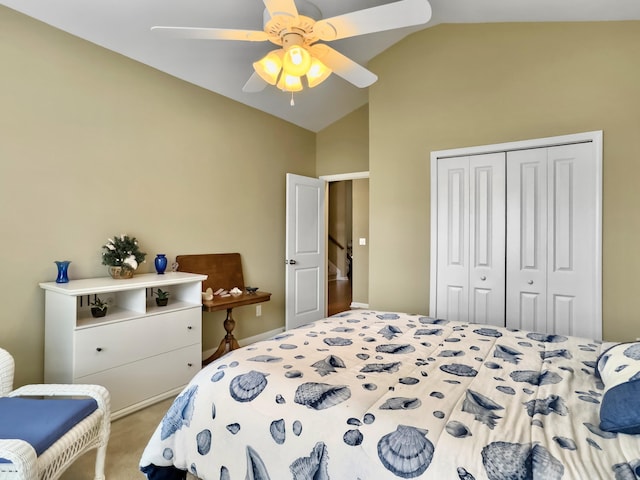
(292, 103)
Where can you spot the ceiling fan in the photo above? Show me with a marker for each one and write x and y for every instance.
(297, 31)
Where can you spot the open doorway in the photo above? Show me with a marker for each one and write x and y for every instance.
(347, 213)
(339, 247)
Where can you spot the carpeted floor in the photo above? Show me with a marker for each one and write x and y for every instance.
(129, 436)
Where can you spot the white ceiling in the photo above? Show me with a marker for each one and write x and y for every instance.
(224, 66)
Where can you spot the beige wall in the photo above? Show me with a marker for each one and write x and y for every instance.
(94, 144)
(463, 85)
(343, 147)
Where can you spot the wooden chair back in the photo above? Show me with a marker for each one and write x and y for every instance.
(224, 270)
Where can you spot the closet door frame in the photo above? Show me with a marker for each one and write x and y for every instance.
(594, 137)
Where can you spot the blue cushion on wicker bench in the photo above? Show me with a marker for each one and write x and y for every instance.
(40, 422)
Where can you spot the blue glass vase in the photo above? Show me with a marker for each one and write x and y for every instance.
(160, 263)
(63, 268)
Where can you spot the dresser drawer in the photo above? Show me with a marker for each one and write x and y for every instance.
(106, 346)
(135, 382)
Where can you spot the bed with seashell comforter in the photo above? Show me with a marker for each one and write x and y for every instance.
(370, 395)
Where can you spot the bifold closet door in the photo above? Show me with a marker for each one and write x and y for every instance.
(551, 232)
(471, 239)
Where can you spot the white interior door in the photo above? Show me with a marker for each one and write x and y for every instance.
(453, 239)
(305, 251)
(552, 231)
(527, 239)
(487, 239)
(572, 231)
(471, 239)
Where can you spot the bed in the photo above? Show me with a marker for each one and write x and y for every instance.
(369, 395)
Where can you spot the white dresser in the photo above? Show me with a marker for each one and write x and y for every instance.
(140, 352)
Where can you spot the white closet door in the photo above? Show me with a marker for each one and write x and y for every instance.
(527, 239)
(571, 268)
(524, 226)
(551, 232)
(471, 239)
(453, 239)
(487, 239)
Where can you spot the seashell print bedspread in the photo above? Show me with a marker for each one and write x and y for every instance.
(370, 395)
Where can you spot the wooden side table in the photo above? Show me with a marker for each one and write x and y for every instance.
(223, 270)
(229, 342)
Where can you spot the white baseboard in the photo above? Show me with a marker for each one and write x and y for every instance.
(359, 305)
(248, 340)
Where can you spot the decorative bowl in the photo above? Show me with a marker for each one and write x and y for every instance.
(251, 290)
(119, 273)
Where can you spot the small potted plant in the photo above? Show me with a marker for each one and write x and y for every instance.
(162, 298)
(98, 308)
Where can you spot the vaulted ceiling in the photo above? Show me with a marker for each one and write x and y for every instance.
(224, 66)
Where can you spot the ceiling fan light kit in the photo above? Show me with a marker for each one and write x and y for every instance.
(286, 67)
(297, 34)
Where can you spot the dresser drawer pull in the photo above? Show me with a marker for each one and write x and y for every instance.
(189, 364)
(189, 327)
(99, 349)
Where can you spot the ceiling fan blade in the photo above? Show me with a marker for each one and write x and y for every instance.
(213, 33)
(404, 13)
(282, 8)
(343, 66)
(254, 84)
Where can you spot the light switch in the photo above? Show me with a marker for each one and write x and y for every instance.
(363, 241)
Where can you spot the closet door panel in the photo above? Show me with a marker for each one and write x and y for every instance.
(481, 311)
(562, 314)
(456, 302)
(487, 238)
(571, 266)
(453, 239)
(529, 311)
(527, 240)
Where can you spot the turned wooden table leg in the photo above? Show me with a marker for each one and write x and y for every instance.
(228, 343)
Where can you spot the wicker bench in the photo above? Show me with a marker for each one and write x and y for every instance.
(22, 462)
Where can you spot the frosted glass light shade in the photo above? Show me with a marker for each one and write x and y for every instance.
(289, 83)
(318, 73)
(296, 61)
(269, 66)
